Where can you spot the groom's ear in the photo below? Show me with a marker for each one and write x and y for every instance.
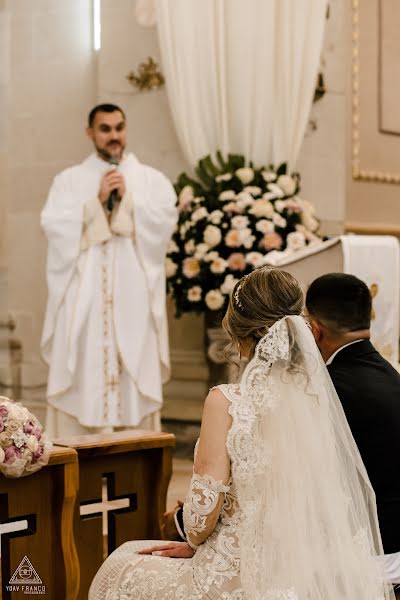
(316, 329)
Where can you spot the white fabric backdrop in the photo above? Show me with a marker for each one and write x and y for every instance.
(241, 75)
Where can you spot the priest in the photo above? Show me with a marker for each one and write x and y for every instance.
(108, 222)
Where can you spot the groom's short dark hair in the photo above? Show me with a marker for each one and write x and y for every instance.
(341, 300)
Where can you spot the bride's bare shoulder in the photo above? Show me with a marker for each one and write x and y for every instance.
(216, 401)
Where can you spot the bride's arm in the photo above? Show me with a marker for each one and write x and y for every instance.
(211, 471)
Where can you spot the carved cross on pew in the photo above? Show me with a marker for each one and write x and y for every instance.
(109, 507)
(11, 528)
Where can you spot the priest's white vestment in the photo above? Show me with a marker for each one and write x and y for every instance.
(105, 335)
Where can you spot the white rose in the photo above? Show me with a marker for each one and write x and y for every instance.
(199, 213)
(248, 243)
(269, 196)
(265, 226)
(229, 283)
(309, 221)
(287, 184)
(262, 208)
(278, 220)
(295, 240)
(2, 455)
(170, 267)
(245, 174)
(201, 250)
(276, 190)
(227, 195)
(212, 235)
(32, 444)
(215, 217)
(186, 195)
(280, 205)
(218, 266)
(239, 222)
(255, 259)
(254, 190)
(194, 293)
(224, 177)
(214, 299)
(189, 247)
(211, 256)
(269, 176)
(172, 247)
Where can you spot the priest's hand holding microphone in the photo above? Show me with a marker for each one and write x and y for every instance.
(112, 187)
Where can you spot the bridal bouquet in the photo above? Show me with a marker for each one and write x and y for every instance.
(24, 448)
(232, 219)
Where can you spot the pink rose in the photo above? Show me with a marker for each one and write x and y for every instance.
(3, 411)
(237, 261)
(28, 427)
(1, 424)
(271, 241)
(11, 454)
(38, 454)
(36, 431)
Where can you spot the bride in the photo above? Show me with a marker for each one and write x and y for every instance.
(280, 506)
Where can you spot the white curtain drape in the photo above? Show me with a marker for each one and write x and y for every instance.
(241, 75)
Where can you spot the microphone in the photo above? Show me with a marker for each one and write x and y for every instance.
(113, 197)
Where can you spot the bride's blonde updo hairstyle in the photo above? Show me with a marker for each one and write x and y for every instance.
(259, 300)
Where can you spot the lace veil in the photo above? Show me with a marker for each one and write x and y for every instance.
(309, 522)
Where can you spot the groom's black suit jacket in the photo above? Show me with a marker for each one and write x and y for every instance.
(369, 390)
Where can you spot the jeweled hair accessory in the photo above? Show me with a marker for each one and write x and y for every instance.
(239, 287)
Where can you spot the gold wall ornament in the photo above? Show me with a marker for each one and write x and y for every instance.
(148, 77)
(374, 288)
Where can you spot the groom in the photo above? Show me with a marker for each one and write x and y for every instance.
(339, 312)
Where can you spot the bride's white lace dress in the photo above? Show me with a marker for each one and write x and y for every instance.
(211, 516)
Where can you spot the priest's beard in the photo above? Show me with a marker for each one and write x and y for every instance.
(111, 153)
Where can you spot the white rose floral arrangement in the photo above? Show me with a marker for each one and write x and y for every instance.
(24, 447)
(230, 220)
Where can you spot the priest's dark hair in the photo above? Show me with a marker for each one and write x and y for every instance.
(108, 108)
(341, 301)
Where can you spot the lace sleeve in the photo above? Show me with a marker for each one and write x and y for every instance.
(202, 508)
(211, 472)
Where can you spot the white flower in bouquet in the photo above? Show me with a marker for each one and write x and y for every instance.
(278, 220)
(248, 242)
(287, 184)
(194, 293)
(212, 235)
(232, 207)
(244, 199)
(255, 259)
(233, 239)
(280, 205)
(201, 251)
(214, 299)
(2, 455)
(254, 190)
(276, 190)
(295, 240)
(245, 174)
(191, 267)
(199, 213)
(32, 443)
(269, 176)
(172, 247)
(237, 261)
(227, 195)
(309, 221)
(211, 256)
(185, 197)
(218, 266)
(215, 217)
(184, 229)
(170, 267)
(262, 208)
(229, 283)
(240, 222)
(265, 226)
(224, 177)
(190, 247)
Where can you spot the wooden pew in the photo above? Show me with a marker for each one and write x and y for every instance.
(123, 484)
(42, 552)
